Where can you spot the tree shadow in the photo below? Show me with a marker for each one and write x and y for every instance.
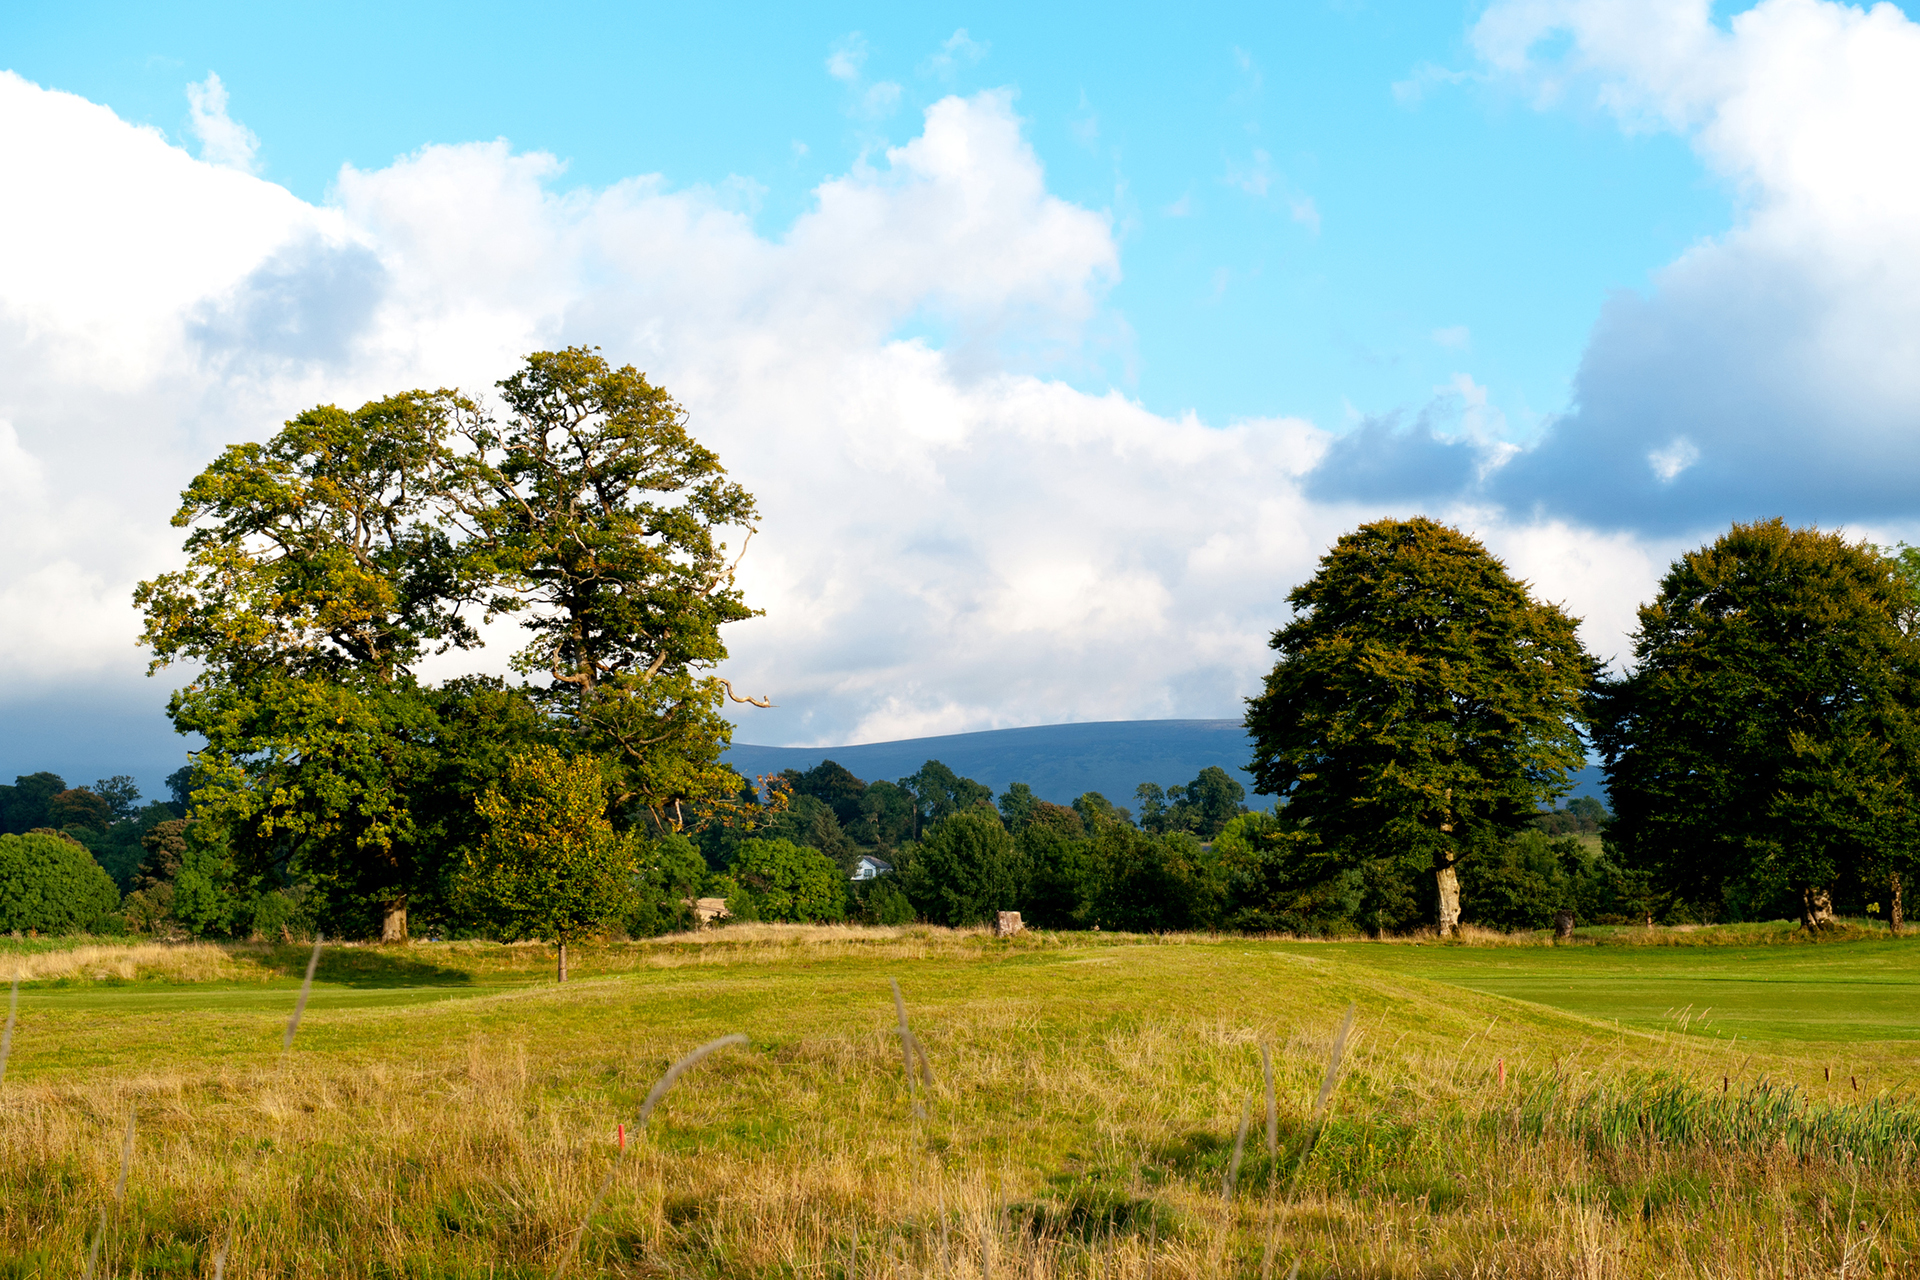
(364, 967)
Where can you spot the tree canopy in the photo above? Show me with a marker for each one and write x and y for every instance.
(1422, 702)
(1767, 730)
(326, 563)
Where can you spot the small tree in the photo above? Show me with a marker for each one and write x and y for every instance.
(550, 865)
(1422, 702)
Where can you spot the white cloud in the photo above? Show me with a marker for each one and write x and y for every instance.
(948, 542)
(956, 51)
(1305, 212)
(1672, 460)
(223, 140)
(1455, 337)
(846, 58)
(1786, 351)
(1426, 77)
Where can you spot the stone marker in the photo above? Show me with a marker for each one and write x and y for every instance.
(1007, 924)
(1563, 926)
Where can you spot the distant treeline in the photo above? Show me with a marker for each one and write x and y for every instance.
(1188, 856)
(1194, 857)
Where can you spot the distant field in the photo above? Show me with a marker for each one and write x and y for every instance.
(1847, 992)
(447, 1111)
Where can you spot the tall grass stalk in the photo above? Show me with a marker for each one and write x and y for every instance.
(306, 989)
(6, 1037)
(119, 1192)
(1228, 1183)
(1318, 1124)
(654, 1095)
(907, 1049)
(1273, 1111)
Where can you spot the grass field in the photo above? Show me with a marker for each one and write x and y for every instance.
(446, 1110)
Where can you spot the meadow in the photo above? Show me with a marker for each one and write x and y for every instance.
(1708, 1103)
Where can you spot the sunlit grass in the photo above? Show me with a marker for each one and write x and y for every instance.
(1086, 1097)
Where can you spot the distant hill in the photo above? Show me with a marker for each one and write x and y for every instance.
(1059, 761)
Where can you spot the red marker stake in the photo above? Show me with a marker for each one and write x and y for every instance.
(622, 1129)
(1503, 1073)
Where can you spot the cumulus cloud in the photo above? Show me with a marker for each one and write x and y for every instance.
(1774, 369)
(223, 140)
(953, 537)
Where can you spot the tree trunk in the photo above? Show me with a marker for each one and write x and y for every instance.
(1816, 908)
(393, 921)
(1896, 909)
(1448, 879)
(563, 962)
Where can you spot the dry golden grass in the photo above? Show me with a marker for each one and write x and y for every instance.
(139, 961)
(1087, 1097)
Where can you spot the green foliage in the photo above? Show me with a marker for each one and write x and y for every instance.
(1582, 815)
(23, 806)
(1096, 811)
(1521, 882)
(1767, 732)
(938, 791)
(667, 875)
(966, 868)
(887, 816)
(833, 786)
(1151, 884)
(602, 515)
(788, 882)
(1202, 807)
(551, 865)
(1060, 869)
(51, 885)
(1016, 805)
(204, 899)
(881, 901)
(1423, 701)
(808, 821)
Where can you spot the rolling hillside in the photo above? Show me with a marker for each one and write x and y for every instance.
(1059, 761)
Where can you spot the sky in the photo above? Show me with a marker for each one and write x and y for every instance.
(1056, 342)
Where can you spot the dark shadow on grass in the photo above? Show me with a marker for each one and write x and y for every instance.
(365, 967)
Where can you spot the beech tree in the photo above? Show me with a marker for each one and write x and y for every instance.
(1768, 725)
(1423, 701)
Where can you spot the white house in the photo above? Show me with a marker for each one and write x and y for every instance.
(870, 867)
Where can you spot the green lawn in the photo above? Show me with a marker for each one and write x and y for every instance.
(1842, 991)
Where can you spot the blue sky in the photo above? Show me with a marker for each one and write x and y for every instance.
(1438, 205)
(1058, 342)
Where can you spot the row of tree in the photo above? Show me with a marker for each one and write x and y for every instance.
(1762, 751)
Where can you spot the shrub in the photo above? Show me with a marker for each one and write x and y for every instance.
(880, 901)
(667, 875)
(788, 882)
(52, 885)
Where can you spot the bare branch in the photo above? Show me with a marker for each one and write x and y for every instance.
(752, 702)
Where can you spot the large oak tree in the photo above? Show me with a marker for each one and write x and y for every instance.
(319, 572)
(1423, 701)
